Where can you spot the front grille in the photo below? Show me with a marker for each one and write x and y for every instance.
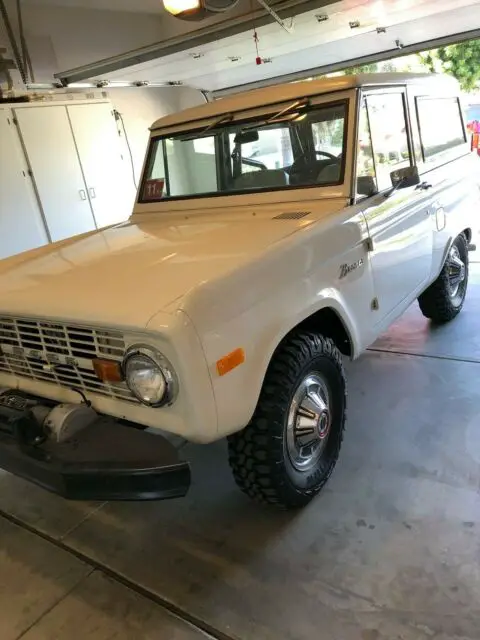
(61, 353)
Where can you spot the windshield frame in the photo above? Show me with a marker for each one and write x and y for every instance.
(314, 103)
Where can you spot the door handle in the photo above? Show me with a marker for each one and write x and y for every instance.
(424, 186)
(92, 192)
(83, 195)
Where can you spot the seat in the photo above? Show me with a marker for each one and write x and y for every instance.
(330, 174)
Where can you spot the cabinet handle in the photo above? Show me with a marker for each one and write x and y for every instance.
(92, 192)
(83, 195)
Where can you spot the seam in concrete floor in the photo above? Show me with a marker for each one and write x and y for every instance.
(82, 521)
(395, 352)
(179, 613)
(54, 604)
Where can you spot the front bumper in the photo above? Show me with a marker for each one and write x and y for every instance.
(108, 460)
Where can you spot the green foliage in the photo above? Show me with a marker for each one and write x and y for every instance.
(462, 61)
(374, 67)
(364, 68)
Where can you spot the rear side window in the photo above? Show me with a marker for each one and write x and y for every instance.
(441, 125)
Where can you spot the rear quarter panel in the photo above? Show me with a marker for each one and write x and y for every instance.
(455, 204)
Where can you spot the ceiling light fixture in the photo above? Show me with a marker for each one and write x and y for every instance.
(197, 9)
(179, 8)
(201, 9)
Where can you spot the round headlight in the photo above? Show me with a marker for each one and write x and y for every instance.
(149, 376)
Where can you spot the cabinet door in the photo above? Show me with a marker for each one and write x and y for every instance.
(21, 223)
(110, 184)
(53, 158)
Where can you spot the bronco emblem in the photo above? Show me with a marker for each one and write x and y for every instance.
(345, 269)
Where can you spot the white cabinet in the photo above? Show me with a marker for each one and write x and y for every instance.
(53, 159)
(62, 172)
(108, 181)
(21, 224)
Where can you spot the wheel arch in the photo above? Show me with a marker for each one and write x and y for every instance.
(468, 234)
(326, 321)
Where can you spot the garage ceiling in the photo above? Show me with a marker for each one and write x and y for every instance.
(220, 55)
(139, 6)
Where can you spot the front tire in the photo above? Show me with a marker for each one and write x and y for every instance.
(289, 449)
(444, 298)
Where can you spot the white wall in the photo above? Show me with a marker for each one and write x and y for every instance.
(60, 38)
(140, 107)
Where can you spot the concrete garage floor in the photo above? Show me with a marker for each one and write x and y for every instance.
(389, 551)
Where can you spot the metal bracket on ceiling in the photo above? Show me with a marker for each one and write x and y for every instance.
(276, 17)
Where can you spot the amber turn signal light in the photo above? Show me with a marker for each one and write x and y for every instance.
(230, 361)
(108, 370)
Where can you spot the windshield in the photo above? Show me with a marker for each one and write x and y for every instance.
(281, 151)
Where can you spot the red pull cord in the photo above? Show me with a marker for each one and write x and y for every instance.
(258, 59)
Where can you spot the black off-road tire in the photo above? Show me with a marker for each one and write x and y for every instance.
(258, 454)
(437, 302)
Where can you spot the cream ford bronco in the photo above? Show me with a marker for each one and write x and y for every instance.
(274, 232)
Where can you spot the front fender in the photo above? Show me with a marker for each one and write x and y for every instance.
(258, 331)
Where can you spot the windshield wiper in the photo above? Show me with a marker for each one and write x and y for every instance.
(298, 104)
(227, 117)
(283, 115)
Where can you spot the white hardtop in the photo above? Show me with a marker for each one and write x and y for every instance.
(297, 90)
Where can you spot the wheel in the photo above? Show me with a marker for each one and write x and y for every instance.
(290, 447)
(444, 298)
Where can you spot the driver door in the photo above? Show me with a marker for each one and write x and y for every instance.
(399, 223)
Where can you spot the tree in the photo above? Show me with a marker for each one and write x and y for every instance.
(364, 68)
(462, 61)
(374, 67)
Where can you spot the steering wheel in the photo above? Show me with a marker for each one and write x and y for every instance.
(301, 172)
(326, 154)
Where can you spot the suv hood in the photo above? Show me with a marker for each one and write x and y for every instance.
(124, 275)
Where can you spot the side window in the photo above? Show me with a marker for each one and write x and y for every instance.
(192, 166)
(441, 125)
(158, 167)
(388, 126)
(366, 176)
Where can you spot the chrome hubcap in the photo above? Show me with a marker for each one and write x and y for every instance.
(309, 421)
(456, 271)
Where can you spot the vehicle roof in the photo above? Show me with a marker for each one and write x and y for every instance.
(295, 90)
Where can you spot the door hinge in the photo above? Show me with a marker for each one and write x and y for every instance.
(368, 244)
(374, 305)
(15, 121)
